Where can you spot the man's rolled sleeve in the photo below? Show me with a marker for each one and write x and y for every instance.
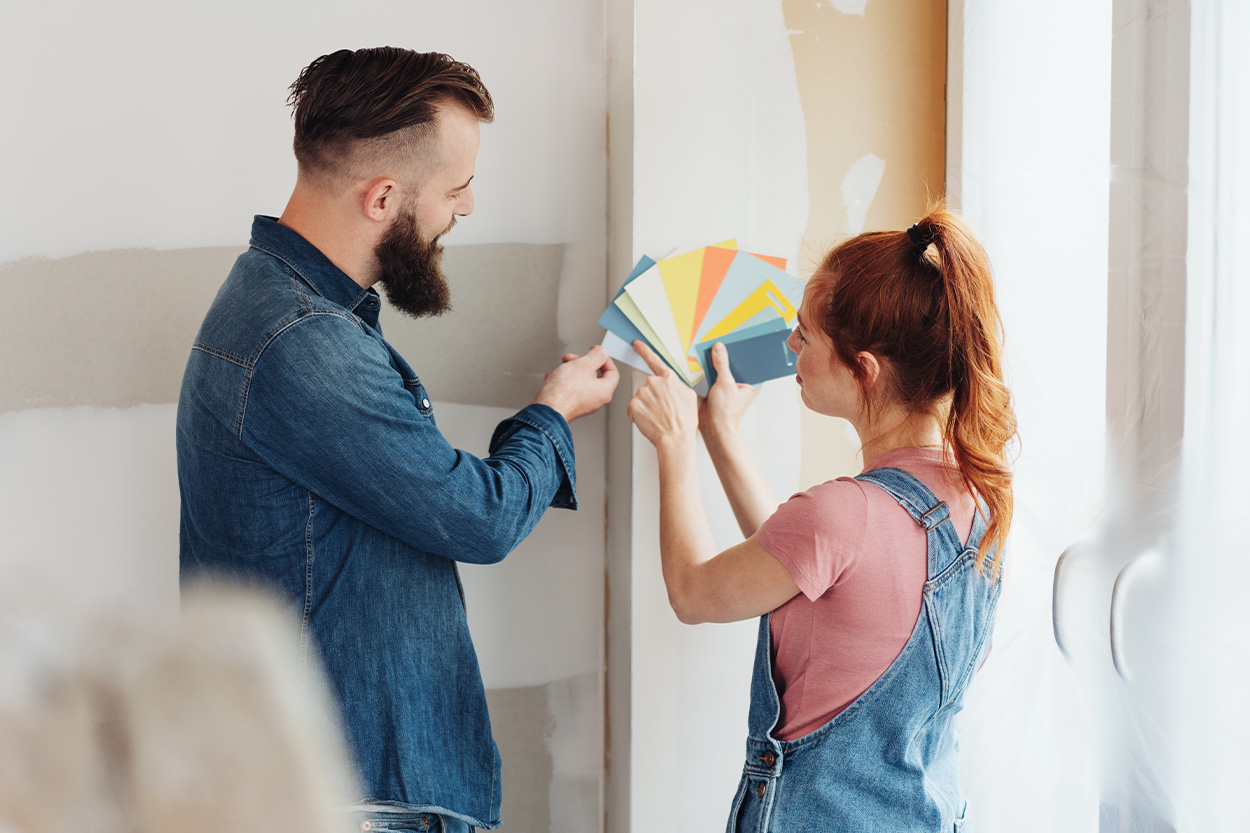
(553, 427)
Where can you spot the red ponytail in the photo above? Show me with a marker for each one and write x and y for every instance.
(923, 300)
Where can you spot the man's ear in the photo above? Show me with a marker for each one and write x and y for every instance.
(380, 200)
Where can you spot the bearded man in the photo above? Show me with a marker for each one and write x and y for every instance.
(308, 457)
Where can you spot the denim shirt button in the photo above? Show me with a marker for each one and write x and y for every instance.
(425, 403)
(768, 758)
(760, 790)
(366, 825)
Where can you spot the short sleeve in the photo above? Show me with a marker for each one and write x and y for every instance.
(818, 535)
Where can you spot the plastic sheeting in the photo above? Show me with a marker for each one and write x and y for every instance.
(1115, 699)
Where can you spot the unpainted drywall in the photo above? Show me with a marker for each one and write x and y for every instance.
(871, 77)
(114, 328)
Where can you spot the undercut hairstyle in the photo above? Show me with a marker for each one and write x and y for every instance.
(922, 300)
(355, 110)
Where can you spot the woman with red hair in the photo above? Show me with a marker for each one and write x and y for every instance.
(876, 593)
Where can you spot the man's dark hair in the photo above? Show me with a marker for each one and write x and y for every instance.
(350, 102)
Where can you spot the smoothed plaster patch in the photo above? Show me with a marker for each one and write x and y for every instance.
(111, 329)
(549, 738)
(114, 328)
(500, 337)
(859, 187)
(521, 722)
(850, 6)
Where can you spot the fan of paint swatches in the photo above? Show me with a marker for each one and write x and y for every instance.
(682, 305)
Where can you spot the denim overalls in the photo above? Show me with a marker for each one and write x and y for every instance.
(890, 760)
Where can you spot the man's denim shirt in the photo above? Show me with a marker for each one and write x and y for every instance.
(309, 462)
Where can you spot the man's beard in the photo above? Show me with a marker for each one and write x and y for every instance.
(412, 268)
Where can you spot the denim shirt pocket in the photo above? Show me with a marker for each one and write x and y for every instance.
(411, 383)
(419, 395)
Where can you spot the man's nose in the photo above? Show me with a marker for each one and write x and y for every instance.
(464, 205)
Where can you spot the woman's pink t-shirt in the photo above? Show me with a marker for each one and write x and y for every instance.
(861, 563)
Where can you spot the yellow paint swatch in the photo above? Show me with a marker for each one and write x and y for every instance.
(766, 295)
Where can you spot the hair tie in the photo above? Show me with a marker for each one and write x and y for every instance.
(918, 238)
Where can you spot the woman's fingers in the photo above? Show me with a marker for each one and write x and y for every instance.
(726, 400)
(720, 361)
(663, 407)
(657, 365)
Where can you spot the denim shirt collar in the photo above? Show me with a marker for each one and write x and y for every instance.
(326, 279)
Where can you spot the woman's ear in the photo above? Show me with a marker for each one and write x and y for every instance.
(871, 367)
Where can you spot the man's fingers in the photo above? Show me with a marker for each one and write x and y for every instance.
(608, 372)
(594, 357)
(720, 361)
(657, 365)
(602, 361)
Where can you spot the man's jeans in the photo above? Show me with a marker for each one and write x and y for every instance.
(372, 822)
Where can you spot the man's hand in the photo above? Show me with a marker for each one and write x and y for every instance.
(581, 385)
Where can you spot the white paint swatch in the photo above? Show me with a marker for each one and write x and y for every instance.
(859, 187)
(623, 351)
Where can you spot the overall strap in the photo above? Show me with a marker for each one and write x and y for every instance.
(933, 515)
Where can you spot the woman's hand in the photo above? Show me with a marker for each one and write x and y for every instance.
(665, 409)
(726, 400)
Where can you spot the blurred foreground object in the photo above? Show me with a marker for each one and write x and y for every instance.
(205, 725)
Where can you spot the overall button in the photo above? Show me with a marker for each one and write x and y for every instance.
(768, 758)
(760, 790)
(425, 403)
